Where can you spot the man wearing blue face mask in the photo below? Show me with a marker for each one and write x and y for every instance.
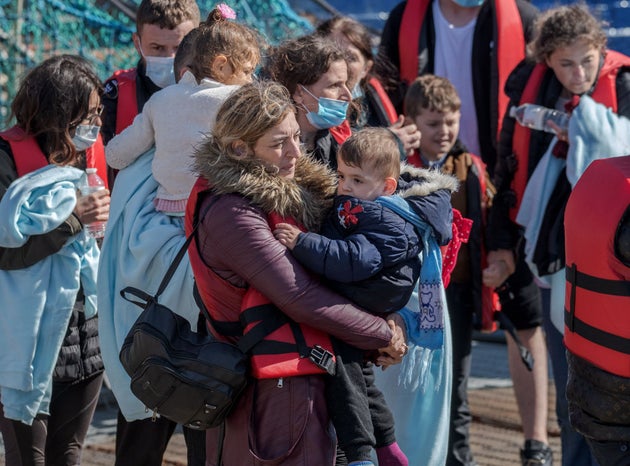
(160, 27)
(476, 44)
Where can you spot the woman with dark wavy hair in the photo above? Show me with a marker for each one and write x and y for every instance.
(50, 364)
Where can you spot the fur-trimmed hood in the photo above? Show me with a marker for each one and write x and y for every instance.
(421, 182)
(428, 192)
(306, 198)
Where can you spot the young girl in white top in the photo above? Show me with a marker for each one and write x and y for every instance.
(175, 119)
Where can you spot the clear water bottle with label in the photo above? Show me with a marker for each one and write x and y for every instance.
(93, 183)
(538, 117)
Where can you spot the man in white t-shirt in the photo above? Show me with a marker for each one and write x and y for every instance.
(461, 40)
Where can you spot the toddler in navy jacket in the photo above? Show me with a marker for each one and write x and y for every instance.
(369, 254)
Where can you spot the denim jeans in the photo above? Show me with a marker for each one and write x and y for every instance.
(575, 449)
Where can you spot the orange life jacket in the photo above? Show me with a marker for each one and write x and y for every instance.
(382, 100)
(127, 107)
(29, 157)
(605, 93)
(508, 37)
(341, 132)
(288, 349)
(597, 296)
(95, 158)
(284, 348)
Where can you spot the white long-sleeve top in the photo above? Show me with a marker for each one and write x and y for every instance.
(175, 120)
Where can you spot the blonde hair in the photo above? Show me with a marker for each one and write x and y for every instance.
(432, 93)
(373, 149)
(248, 114)
(563, 26)
(220, 36)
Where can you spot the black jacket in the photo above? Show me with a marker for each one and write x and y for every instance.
(80, 354)
(368, 252)
(485, 71)
(326, 148)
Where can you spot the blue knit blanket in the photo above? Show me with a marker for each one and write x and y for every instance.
(140, 243)
(418, 390)
(37, 301)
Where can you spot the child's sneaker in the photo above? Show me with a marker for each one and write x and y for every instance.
(536, 453)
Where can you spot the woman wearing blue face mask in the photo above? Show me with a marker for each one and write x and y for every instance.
(314, 71)
(50, 364)
(160, 27)
(318, 71)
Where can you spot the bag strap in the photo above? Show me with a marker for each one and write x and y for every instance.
(225, 328)
(175, 264)
(144, 296)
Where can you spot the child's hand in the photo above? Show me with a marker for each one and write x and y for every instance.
(408, 133)
(500, 266)
(563, 135)
(397, 348)
(287, 234)
(94, 207)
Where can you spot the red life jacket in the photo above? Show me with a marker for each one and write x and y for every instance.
(341, 132)
(597, 296)
(489, 298)
(95, 158)
(382, 100)
(605, 93)
(284, 348)
(29, 157)
(217, 295)
(127, 107)
(508, 37)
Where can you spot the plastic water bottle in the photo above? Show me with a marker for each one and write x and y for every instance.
(537, 117)
(92, 184)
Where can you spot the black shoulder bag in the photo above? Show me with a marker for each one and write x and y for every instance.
(184, 376)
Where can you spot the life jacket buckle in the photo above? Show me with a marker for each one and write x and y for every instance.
(323, 359)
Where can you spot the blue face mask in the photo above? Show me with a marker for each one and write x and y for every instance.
(85, 136)
(469, 3)
(159, 70)
(357, 91)
(330, 112)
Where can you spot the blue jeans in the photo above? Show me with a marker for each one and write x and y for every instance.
(575, 449)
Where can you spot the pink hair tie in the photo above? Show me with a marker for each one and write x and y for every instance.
(226, 11)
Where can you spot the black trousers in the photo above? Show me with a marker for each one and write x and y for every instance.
(357, 407)
(144, 442)
(55, 439)
(460, 310)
